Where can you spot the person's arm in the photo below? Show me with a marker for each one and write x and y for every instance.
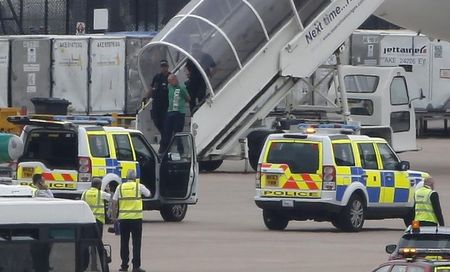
(115, 204)
(50, 194)
(437, 208)
(144, 191)
(186, 95)
(105, 195)
(150, 92)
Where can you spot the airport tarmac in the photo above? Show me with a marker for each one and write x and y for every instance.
(225, 232)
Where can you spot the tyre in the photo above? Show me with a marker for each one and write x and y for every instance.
(274, 221)
(173, 213)
(336, 223)
(209, 166)
(353, 215)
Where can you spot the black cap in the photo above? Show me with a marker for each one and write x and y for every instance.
(164, 63)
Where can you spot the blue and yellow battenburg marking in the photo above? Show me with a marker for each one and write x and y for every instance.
(382, 186)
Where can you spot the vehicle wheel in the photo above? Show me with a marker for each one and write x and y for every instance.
(274, 221)
(353, 215)
(209, 166)
(409, 218)
(255, 142)
(173, 213)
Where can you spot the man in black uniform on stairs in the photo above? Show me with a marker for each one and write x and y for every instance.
(159, 94)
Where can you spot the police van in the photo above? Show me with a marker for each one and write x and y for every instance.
(341, 178)
(70, 151)
(34, 239)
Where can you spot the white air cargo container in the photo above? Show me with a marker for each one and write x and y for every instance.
(426, 61)
(4, 66)
(70, 71)
(107, 64)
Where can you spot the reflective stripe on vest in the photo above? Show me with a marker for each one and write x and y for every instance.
(93, 197)
(424, 208)
(130, 201)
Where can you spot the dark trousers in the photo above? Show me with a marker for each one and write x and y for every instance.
(159, 118)
(174, 123)
(100, 228)
(133, 227)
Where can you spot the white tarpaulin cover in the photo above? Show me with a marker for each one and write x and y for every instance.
(4, 66)
(107, 89)
(70, 71)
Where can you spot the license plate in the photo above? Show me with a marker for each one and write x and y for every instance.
(272, 180)
(288, 203)
(27, 172)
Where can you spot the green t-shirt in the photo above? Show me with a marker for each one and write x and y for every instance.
(177, 98)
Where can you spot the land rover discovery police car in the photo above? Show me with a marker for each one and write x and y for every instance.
(344, 179)
(69, 153)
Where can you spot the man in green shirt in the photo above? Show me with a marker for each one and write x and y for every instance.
(178, 96)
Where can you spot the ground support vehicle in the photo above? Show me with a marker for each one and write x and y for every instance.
(34, 239)
(425, 60)
(377, 98)
(341, 178)
(70, 153)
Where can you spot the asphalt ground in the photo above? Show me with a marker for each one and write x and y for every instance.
(225, 232)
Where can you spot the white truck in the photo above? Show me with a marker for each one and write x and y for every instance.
(425, 60)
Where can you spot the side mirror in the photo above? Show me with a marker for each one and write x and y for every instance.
(107, 253)
(391, 248)
(403, 166)
(421, 96)
(174, 156)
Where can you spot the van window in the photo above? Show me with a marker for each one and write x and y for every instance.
(400, 121)
(399, 268)
(123, 147)
(99, 146)
(343, 155)
(360, 106)
(419, 269)
(368, 156)
(388, 157)
(383, 269)
(361, 83)
(56, 149)
(399, 91)
(301, 157)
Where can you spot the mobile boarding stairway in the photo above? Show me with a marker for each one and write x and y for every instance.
(261, 49)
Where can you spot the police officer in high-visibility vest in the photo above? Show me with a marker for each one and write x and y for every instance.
(129, 201)
(95, 197)
(427, 206)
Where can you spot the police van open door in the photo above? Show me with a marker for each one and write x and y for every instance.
(178, 175)
(178, 170)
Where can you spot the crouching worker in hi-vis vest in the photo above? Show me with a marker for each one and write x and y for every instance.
(95, 197)
(128, 199)
(427, 206)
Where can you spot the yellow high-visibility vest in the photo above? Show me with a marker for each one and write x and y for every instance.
(93, 197)
(130, 201)
(424, 208)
